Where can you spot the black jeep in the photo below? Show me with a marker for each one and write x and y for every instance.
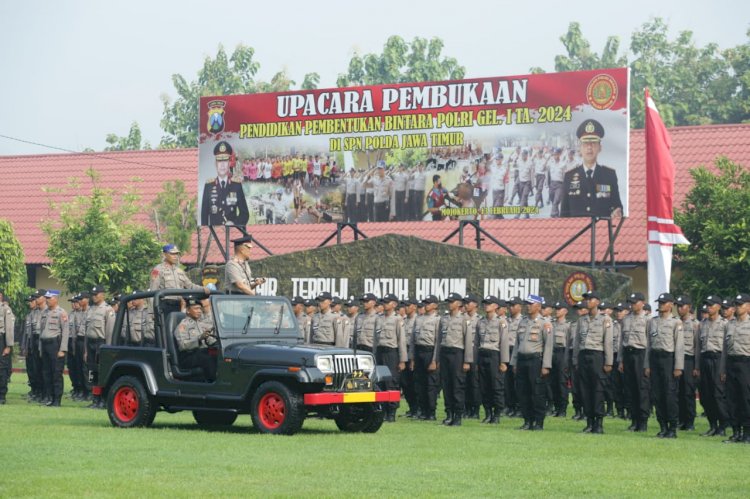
(263, 368)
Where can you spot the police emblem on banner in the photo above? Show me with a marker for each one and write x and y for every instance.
(576, 285)
(602, 91)
(216, 116)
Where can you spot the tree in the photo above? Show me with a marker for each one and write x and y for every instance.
(12, 268)
(693, 85)
(221, 75)
(95, 239)
(715, 217)
(400, 62)
(173, 213)
(132, 142)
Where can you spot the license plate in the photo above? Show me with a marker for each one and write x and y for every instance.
(357, 382)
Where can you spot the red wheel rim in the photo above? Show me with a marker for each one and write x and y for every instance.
(272, 410)
(126, 404)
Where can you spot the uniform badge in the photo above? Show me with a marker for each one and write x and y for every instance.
(216, 116)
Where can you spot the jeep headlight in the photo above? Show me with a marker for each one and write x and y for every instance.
(365, 362)
(324, 363)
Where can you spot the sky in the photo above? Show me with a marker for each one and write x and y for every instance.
(74, 71)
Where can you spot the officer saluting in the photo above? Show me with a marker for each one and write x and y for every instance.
(590, 189)
(223, 200)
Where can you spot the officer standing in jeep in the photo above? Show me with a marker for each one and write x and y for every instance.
(169, 275)
(238, 277)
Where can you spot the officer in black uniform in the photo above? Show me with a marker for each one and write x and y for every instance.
(223, 199)
(590, 189)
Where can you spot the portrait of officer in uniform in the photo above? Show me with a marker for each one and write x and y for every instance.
(223, 199)
(590, 189)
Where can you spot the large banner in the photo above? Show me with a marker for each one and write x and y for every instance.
(531, 146)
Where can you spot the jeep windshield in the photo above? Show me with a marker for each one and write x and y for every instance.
(243, 316)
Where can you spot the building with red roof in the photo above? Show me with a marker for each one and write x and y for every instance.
(31, 182)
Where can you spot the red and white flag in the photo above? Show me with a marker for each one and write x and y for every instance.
(662, 231)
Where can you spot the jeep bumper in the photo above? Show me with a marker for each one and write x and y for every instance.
(351, 397)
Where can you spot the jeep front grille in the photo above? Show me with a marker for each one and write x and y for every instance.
(343, 364)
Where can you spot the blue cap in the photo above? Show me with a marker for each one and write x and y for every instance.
(51, 292)
(535, 299)
(170, 248)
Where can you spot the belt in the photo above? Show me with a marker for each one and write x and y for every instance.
(661, 353)
(96, 340)
(529, 356)
(589, 351)
(327, 343)
(424, 348)
(633, 349)
(451, 349)
(711, 355)
(387, 349)
(364, 347)
(559, 349)
(50, 340)
(487, 352)
(689, 356)
(739, 358)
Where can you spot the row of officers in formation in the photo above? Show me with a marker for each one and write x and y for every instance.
(613, 357)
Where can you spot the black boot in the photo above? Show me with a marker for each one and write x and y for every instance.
(488, 415)
(430, 416)
(496, 415)
(745, 436)
(589, 425)
(578, 416)
(663, 429)
(621, 413)
(633, 425)
(711, 430)
(610, 409)
(526, 425)
(457, 418)
(721, 431)
(448, 418)
(736, 435)
(642, 426)
(689, 426)
(598, 426)
(671, 427)
(538, 426)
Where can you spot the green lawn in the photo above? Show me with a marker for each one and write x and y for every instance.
(73, 451)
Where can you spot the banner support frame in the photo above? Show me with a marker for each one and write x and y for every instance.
(478, 231)
(340, 226)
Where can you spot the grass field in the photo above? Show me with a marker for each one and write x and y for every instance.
(73, 451)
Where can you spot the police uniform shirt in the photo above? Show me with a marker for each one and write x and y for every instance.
(100, 322)
(616, 334)
(665, 335)
(513, 323)
(426, 331)
(223, 203)
(303, 322)
(141, 325)
(738, 338)
(633, 332)
(54, 324)
(454, 331)
(80, 325)
(366, 331)
(534, 336)
(348, 324)
(166, 276)
(691, 333)
(594, 333)
(417, 182)
(323, 327)
(492, 334)
(36, 319)
(585, 196)
(525, 167)
(7, 324)
(556, 170)
(712, 333)
(382, 189)
(410, 324)
(189, 331)
(354, 187)
(561, 332)
(400, 181)
(237, 271)
(391, 335)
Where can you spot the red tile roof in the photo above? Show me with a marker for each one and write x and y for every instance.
(26, 205)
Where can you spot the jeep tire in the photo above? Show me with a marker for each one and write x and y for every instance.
(277, 409)
(129, 405)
